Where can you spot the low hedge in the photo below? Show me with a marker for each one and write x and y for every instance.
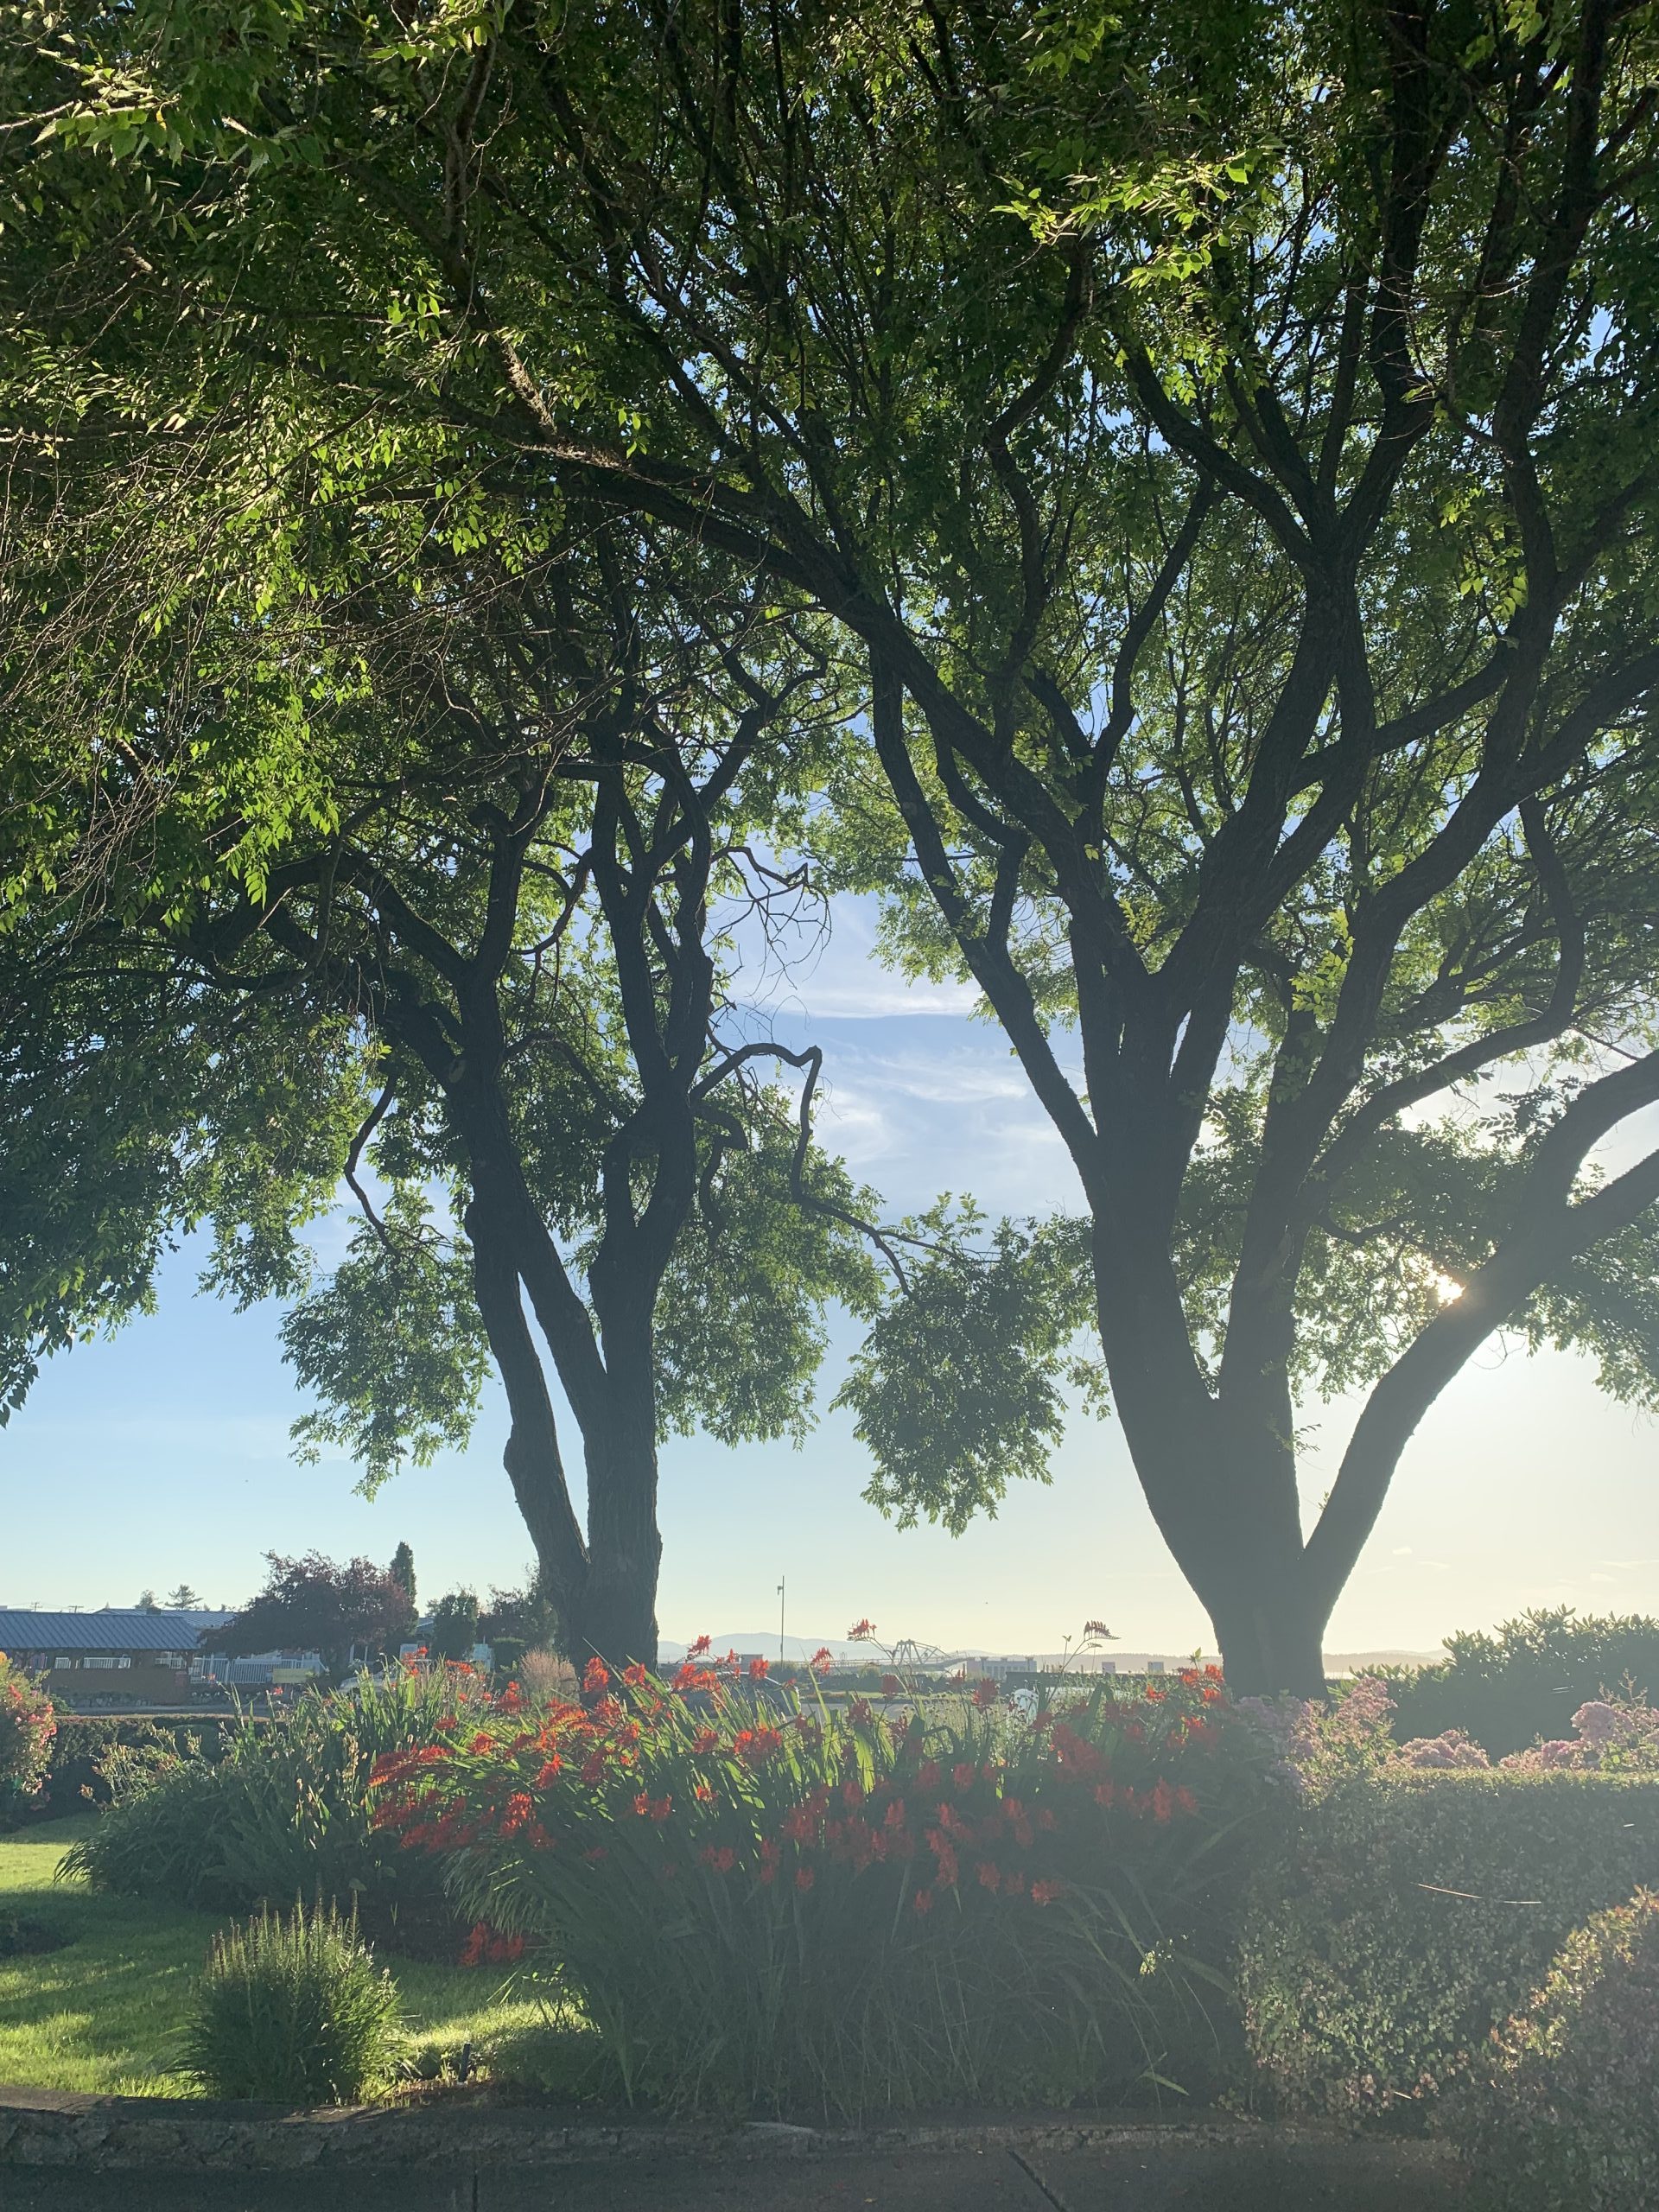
(1416, 1914)
(1565, 2111)
(77, 1774)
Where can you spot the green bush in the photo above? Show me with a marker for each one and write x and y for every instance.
(27, 1728)
(1527, 1681)
(85, 1770)
(294, 2009)
(1416, 1912)
(284, 1812)
(760, 1907)
(1565, 2112)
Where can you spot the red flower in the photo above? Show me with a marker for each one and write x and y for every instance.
(1163, 1802)
(549, 1771)
(634, 1677)
(984, 1693)
(704, 1644)
(821, 1660)
(481, 1741)
(1184, 1801)
(861, 1712)
(989, 1875)
(596, 1674)
(852, 1794)
(943, 1851)
(722, 1858)
(1104, 1792)
(927, 1775)
(962, 1777)
(1014, 1883)
(758, 1668)
(804, 1878)
(860, 1632)
(1045, 1892)
(891, 1686)
(704, 1741)
(923, 1901)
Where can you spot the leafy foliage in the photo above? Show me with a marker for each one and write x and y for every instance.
(28, 1726)
(1525, 1680)
(315, 1604)
(1563, 2110)
(282, 1812)
(1413, 1915)
(994, 1333)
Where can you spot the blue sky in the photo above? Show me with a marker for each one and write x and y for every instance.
(164, 1454)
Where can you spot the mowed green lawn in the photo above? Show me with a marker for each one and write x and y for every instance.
(103, 2013)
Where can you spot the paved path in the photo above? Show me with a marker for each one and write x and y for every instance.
(1186, 2178)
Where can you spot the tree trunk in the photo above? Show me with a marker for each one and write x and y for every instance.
(616, 1616)
(1269, 1647)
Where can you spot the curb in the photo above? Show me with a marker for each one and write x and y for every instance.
(45, 2128)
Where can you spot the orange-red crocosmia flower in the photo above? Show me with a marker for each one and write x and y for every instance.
(821, 1660)
(923, 1901)
(990, 1876)
(860, 1632)
(634, 1677)
(984, 1693)
(596, 1674)
(891, 1686)
(804, 1878)
(961, 1777)
(1045, 1892)
(704, 1644)
(758, 1668)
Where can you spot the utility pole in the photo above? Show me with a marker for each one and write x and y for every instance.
(782, 1580)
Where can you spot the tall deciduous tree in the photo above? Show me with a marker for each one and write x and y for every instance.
(1226, 435)
(479, 974)
(320, 1605)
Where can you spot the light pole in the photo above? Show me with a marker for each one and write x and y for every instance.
(782, 1580)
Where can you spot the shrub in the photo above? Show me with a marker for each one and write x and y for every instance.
(27, 1728)
(294, 2010)
(1508, 1689)
(1611, 1736)
(84, 1771)
(1415, 1911)
(1566, 2109)
(284, 1812)
(776, 1910)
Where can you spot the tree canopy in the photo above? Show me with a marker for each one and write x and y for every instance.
(1221, 446)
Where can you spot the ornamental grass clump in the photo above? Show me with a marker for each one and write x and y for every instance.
(293, 2009)
(1566, 2112)
(781, 1908)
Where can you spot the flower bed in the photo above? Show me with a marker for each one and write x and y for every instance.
(766, 1909)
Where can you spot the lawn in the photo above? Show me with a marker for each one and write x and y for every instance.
(103, 2012)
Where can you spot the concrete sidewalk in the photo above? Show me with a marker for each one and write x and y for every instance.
(1170, 2177)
